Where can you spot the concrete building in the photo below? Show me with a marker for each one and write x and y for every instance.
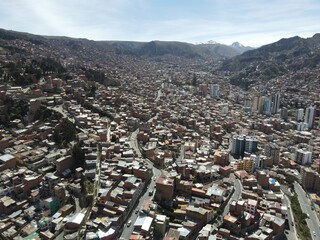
(272, 150)
(310, 179)
(275, 103)
(242, 144)
(309, 117)
(303, 156)
(284, 114)
(7, 161)
(299, 114)
(214, 90)
(246, 164)
(164, 190)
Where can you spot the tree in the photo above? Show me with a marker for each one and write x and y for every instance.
(78, 155)
(64, 133)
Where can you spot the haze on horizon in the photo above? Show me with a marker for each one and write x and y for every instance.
(250, 22)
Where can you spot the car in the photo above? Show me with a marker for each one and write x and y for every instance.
(136, 211)
(308, 215)
(129, 223)
(314, 233)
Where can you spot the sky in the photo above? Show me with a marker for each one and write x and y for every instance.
(250, 22)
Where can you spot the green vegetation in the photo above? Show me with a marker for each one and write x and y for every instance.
(87, 189)
(23, 73)
(100, 77)
(78, 155)
(290, 180)
(300, 219)
(14, 110)
(95, 75)
(45, 114)
(64, 133)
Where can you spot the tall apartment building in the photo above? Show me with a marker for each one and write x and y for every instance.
(246, 164)
(255, 103)
(310, 179)
(242, 144)
(214, 90)
(264, 106)
(248, 105)
(299, 114)
(284, 114)
(275, 103)
(303, 156)
(263, 179)
(272, 150)
(309, 117)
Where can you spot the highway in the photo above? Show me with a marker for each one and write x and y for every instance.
(305, 203)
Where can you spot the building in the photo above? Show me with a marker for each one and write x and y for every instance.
(308, 178)
(299, 114)
(7, 161)
(251, 145)
(284, 114)
(161, 223)
(309, 117)
(263, 179)
(242, 144)
(246, 164)
(272, 150)
(164, 190)
(275, 103)
(264, 105)
(74, 222)
(214, 90)
(251, 206)
(303, 156)
(255, 103)
(221, 158)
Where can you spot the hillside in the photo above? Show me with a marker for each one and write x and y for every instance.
(287, 56)
(136, 49)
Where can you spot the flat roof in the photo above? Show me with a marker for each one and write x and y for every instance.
(6, 157)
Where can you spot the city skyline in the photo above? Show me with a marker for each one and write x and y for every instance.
(249, 22)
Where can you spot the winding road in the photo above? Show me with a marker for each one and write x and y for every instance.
(306, 207)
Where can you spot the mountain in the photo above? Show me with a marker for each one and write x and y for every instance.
(283, 57)
(240, 48)
(219, 50)
(128, 48)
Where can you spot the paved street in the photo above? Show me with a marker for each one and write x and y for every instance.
(292, 233)
(236, 194)
(305, 203)
(127, 231)
(134, 142)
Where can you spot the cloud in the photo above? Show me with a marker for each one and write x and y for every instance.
(249, 21)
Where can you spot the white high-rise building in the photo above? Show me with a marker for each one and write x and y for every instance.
(309, 117)
(303, 156)
(300, 114)
(214, 90)
(275, 103)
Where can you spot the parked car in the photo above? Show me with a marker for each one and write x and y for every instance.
(129, 223)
